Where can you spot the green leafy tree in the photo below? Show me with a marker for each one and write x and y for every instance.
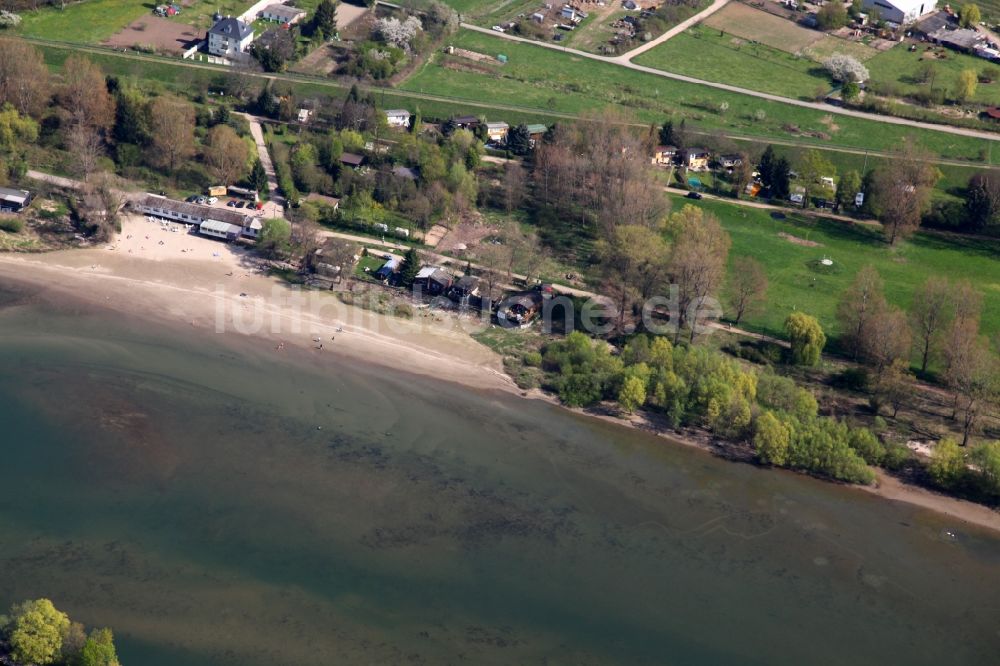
(969, 16)
(99, 650)
(325, 19)
(966, 85)
(275, 236)
(667, 135)
(982, 200)
(632, 395)
(15, 129)
(35, 632)
(847, 187)
(947, 464)
(409, 268)
(806, 337)
(850, 92)
(987, 459)
(771, 439)
(831, 16)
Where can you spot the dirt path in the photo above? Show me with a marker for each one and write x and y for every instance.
(274, 207)
(816, 106)
(676, 30)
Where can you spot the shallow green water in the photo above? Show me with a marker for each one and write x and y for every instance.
(218, 503)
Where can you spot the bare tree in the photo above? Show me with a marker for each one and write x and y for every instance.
(893, 388)
(513, 186)
(972, 372)
(629, 254)
(930, 314)
(24, 78)
(102, 199)
(747, 286)
(885, 339)
(86, 149)
(697, 262)
(85, 94)
(226, 154)
(859, 304)
(172, 131)
(902, 191)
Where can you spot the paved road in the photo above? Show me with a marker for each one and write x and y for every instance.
(274, 207)
(676, 30)
(816, 106)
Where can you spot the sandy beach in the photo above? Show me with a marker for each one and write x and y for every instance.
(163, 272)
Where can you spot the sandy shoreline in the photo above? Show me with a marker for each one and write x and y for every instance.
(160, 274)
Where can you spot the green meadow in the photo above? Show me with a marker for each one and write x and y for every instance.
(563, 82)
(791, 248)
(89, 22)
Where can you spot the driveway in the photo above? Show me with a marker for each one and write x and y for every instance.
(276, 206)
(676, 30)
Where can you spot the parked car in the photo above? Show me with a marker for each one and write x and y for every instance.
(694, 195)
(213, 200)
(498, 28)
(240, 204)
(201, 200)
(192, 199)
(231, 203)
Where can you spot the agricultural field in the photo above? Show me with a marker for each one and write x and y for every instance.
(791, 250)
(707, 54)
(565, 83)
(98, 21)
(900, 69)
(744, 21)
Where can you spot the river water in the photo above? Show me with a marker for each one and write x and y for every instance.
(218, 502)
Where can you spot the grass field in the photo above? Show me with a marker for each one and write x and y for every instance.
(798, 282)
(88, 22)
(899, 67)
(744, 21)
(830, 45)
(707, 54)
(566, 83)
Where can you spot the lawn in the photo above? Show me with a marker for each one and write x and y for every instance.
(899, 69)
(799, 282)
(88, 22)
(707, 54)
(551, 80)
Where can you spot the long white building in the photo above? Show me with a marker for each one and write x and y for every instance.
(899, 11)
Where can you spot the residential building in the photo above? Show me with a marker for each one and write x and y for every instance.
(497, 132)
(432, 280)
(282, 14)
(535, 133)
(900, 12)
(730, 161)
(197, 215)
(664, 155)
(466, 122)
(696, 159)
(324, 200)
(352, 160)
(398, 117)
(229, 37)
(13, 201)
(221, 230)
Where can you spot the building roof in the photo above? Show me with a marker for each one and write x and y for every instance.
(993, 112)
(220, 227)
(934, 22)
(15, 196)
(466, 120)
(432, 273)
(537, 128)
(230, 27)
(195, 210)
(696, 151)
(351, 159)
(497, 125)
(405, 172)
(333, 202)
(966, 39)
(402, 113)
(666, 149)
(284, 11)
(467, 283)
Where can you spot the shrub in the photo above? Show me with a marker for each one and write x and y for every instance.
(532, 359)
(845, 68)
(13, 225)
(806, 337)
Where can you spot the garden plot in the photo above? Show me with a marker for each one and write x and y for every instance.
(759, 26)
(152, 33)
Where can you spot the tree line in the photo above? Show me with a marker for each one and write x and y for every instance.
(36, 633)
